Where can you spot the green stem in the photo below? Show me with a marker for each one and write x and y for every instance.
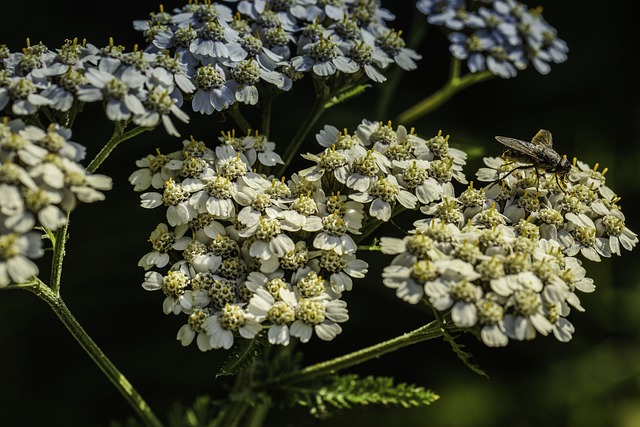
(369, 228)
(231, 414)
(117, 137)
(59, 242)
(238, 117)
(265, 119)
(258, 413)
(454, 85)
(112, 373)
(424, 333)
(316, 111)
(369, 248)
(388, 90)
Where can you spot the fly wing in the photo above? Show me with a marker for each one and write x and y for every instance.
(523, 147)
(543, 137)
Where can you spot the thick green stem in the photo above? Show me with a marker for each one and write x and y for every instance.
(111, 372)
(452, 87)
(117, 137)
(424, 333)
(316, 111)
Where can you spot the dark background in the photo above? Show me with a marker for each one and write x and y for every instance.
(590, 103)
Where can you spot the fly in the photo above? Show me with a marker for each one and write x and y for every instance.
(538, 154)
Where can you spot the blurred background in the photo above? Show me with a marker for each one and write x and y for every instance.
(590, 103)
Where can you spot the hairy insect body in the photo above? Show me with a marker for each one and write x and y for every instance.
(538, 154)
(545, 159)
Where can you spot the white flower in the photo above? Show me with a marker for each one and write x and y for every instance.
(159, 105)
(188, 332)
(42, 204)
(119, 89)
(176, 198)
(491, 318)
(301, 215)
(325, 58)
(399, 277)
(270, 240)
(231, 318)
(22, 91)
(216, 198)
(153, 173)
(528, 316)
(279, 312)
(383, 195)
(162, 241)
(612, 226)
(413, 247)
(319, 315)
(214, 92)
(366, 169)
(342, 268)
(459, 295)
(334, 235)
(174, 285)
(16, 252)
(583, 231)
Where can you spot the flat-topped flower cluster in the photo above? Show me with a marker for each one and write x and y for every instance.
(247, 251)
(234, 53)
(501, 36)
(502, 259)
(40, 182)
(143, 88)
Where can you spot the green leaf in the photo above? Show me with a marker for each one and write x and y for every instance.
(463, 355)
(346, 94)
(349, 391)
(243, 353)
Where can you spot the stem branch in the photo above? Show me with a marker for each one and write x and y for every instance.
(423, 333)
(238, 117)
(454, 85)
(118, 136)
(59, 242)
(292, 149)
(106, 366)
(417, 31)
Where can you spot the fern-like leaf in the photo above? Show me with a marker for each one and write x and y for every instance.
(349, 391)
(347, 94)
(242, 354)
(463, 355)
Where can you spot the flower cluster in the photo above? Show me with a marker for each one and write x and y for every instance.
(254, 251)
(502, 259)
(145, 88)
(40, 182)
(501, 36)
(234, 54)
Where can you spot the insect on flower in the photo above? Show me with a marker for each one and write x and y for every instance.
(538, 154)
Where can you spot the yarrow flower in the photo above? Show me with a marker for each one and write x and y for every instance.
(231, 54)
(40, 182)
(146, 88)
(498, 36)
(246, 251)
(501, 260)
